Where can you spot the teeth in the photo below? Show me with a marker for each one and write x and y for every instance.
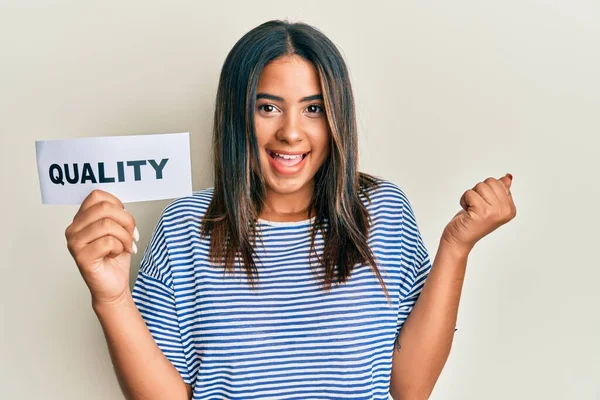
(288, 157)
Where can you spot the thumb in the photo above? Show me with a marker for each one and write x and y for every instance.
(507, 181)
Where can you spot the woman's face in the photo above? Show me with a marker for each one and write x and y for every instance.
(291, 126)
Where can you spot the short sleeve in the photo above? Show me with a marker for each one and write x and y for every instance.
(418, 264)
(154, 297)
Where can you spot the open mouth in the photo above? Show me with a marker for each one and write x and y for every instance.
(288, 160)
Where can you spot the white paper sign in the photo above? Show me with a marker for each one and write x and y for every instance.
(133, 168)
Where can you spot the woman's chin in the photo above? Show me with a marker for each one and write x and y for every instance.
(285, 185)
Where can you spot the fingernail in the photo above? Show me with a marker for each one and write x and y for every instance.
(509, 175)
(136, 234)
(134, 248)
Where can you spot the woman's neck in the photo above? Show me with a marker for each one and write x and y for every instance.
(287, 207)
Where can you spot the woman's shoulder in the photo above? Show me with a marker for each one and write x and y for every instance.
(188, 208)
(387, 203)
(380, 190)
(174, 230)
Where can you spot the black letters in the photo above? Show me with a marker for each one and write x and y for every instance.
(75, 179)
(87, 174)
(56, 178)
(102, 178)
(121, 171)
(71, 172)
(136, 168)
(158, 168)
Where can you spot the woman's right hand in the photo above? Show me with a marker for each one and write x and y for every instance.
(100, 239)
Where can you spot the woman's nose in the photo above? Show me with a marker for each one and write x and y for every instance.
(290, 131)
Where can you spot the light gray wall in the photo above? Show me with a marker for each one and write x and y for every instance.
(448, 94)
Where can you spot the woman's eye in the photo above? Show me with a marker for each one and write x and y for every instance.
(268, 108)
(314, 109)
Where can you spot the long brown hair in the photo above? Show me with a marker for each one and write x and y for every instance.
(239, 188)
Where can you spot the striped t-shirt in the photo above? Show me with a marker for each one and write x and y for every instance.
(288, 339)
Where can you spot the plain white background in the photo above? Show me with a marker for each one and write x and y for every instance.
(448, 94)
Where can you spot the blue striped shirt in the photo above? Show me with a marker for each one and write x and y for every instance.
(289, 339)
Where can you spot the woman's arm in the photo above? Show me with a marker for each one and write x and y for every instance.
(142, 369)
(101, 239)
(426, 336)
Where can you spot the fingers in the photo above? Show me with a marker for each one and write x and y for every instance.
(498, 187)
(463, 202)
(506, 202)
(105, 246)
(506, 181)
(490, 196)
(493, 191)
(99, 211)
(97, 196)
(473, 200)
(486, 192)
(100, 228)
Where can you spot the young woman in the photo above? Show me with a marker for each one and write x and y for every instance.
(295, 276)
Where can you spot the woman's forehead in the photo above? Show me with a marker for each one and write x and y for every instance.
(289, 77)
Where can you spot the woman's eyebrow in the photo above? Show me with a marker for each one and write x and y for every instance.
(311, 98)
(277, 98)
(268, 96)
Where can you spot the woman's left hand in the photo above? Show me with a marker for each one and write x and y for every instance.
(486, 207)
